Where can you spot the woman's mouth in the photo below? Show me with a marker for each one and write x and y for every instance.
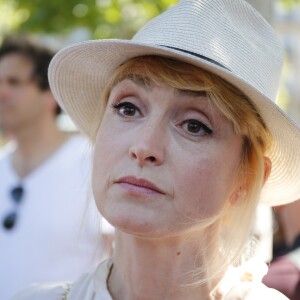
(139, 186)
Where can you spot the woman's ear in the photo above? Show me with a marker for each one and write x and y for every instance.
(241, 190)
(238, 193)
(267, 168)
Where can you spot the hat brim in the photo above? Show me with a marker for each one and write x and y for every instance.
(78, 74)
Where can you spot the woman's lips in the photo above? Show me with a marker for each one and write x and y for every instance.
(139, 186)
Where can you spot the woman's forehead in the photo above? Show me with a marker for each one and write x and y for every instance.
(159, 70)
(128, 82)
(149, 83)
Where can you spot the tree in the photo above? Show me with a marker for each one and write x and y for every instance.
(102, 18)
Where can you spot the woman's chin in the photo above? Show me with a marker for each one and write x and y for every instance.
(135, 225)
(133, 217)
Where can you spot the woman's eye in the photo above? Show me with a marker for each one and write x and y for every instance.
(126, 109)
(195, 127)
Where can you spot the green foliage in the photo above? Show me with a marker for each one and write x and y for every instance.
(102, 18)
(290, 3)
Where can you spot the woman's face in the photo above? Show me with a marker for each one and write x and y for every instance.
(165, 159)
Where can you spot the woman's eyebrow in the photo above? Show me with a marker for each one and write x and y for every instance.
(191, 93)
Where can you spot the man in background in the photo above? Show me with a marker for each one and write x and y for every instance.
(284, 270)
(47, 231)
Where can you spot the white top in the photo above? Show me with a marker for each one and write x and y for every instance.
(93, 286)
(57, 234)
(90, 286)
(294, 256)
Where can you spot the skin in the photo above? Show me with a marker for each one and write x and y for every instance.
(20, 100)
(194, 166)
(27, 114)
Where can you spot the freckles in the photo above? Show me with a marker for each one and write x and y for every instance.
(198, 172)
(189, 214)
(200, 188)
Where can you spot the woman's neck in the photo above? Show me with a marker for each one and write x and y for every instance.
(153, 269)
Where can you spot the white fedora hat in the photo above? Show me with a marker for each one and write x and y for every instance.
(226, 37)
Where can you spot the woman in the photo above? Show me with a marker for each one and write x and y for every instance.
(187, 142)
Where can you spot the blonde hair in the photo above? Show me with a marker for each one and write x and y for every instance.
(234, 222)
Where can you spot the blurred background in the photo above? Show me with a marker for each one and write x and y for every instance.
(59, 24)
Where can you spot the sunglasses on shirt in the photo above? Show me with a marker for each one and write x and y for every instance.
(11, 218)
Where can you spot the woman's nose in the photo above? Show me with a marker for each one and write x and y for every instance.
(148, 148)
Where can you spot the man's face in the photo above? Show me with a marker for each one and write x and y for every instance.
(20, 96)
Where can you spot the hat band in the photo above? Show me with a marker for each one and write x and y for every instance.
(197, 55)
